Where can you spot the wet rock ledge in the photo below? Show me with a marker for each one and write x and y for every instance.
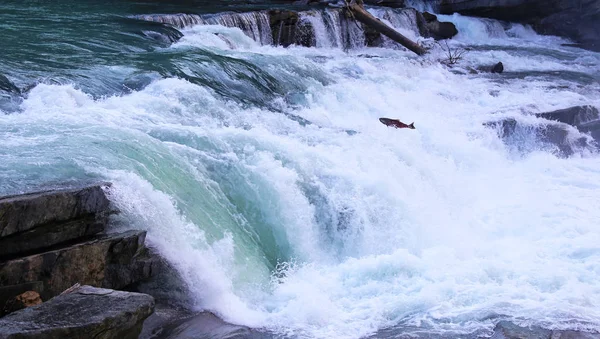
(51, 241)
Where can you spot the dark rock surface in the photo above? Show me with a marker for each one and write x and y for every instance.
(429, 26)
(574, 116)
(86, 312)
(108, 261)
(529, 137)
(205, 326)
(578, 20)
(287, 29)
(498, 68)
(41, 220)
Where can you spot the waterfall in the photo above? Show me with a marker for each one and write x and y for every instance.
(253, 24)
(327, 28)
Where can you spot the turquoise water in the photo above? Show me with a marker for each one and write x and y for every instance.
(264, 176)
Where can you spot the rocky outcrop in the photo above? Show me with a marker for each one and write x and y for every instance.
(55, 239)
(107, 261)
(41, 220)
(85, 312)
(578, 20)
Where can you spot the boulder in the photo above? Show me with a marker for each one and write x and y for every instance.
(37, 221)
(86, 312)
(498, 68)
(111, 261)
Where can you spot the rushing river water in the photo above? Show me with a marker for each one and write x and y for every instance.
(263, 174)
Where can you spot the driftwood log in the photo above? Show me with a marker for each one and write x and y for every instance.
(359, 13)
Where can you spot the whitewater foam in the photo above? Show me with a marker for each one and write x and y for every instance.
(442, 227)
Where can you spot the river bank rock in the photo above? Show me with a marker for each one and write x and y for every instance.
(54, 239)
(85, 312)
(41, 220)
(108, 261)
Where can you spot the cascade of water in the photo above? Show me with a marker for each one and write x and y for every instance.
(253, 24)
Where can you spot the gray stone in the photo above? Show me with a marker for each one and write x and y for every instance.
(574, 116)
(25, 212)
(508, 330)
(52, 234)
(111, 261)
(86, 312)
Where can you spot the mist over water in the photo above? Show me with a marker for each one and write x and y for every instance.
(264, 176)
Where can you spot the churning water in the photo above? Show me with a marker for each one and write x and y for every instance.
(263, 174)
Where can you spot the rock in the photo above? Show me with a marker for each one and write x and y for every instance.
(574, 116)
(429, 26)
(508, 330)
(40, 220)
(87, 312)
(531, 137)
(578, 20)
(287, 29)
(24, 300)
(498, 68)
(386, 3)
(206, 325)
(111, 261)
(591, 128)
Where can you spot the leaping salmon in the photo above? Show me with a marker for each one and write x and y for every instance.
(396, 123)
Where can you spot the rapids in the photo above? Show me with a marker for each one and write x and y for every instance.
(263, 175)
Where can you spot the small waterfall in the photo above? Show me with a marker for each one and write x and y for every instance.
(327, 28)
(253, 24)
(403, 20)
(323, 36)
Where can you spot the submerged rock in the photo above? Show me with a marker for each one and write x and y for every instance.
(86, 312)
(530, 137)
(498, 68)
(574, 116)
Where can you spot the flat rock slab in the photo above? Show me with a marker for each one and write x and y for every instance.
(40, 220)
(109, 261)
(86, 312)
